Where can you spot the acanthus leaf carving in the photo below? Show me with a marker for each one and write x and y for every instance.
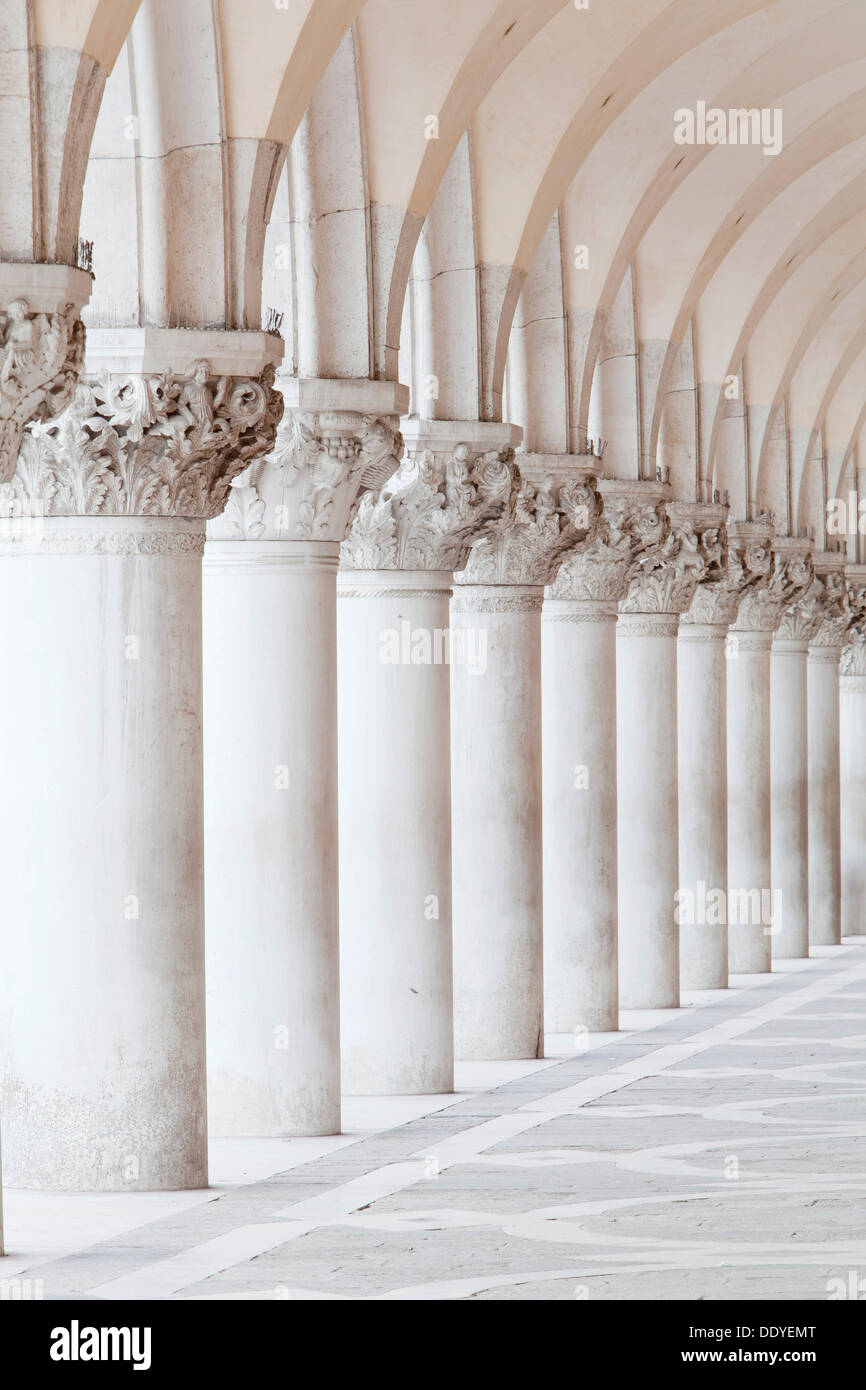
(669, 563)
(779, 581)
(596, 569)
(41, 357)
(160, 445)
(541, 524)
(732, 570)
(853, 659)
(307, 487)
(801, 620)
(429, 513)
(837, 608)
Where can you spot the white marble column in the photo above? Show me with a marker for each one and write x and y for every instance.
(271, 843)
(394, 646)
(789, 776)
(703, 778)
(496, 733)
(41, 353)
(754, 912)
(852, 757)
(578, 645)
(647, 808)
(670, 561)
(102, 1026)
(825, 855)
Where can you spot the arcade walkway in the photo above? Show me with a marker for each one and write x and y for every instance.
(711, 1152)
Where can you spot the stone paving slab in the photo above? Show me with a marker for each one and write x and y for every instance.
(717, 1155)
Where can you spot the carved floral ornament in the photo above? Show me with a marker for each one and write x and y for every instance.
(41, 357)
(135, 445)
(638, 555)
(734, 570)
(539, 526)
(665, 574)
(838, 607)
(853, 660)
(429, 513)
(597, 569)
(782, 580)
(306, 488)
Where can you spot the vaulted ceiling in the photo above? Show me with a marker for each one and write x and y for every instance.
(486, 199)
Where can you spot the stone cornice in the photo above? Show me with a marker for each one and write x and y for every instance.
(41, 347)
(154, 445)
(152, 351)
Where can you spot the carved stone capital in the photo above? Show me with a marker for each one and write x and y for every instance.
(439, 501)
(853, 661)
(778, 574)
(596, 569)
(41, 348)
(337, 438)
(145, 445)
(802, 619)
(681, 547)
(542, 522)
(305, 489)
(836, 603)
(853, 658)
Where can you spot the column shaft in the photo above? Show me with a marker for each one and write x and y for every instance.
(825, 865)
(497, 847)
(749, 800)
(852, 746)
(647, 796)
(580, 815)
(703, 805)
(271, 837)
(790, 797)
(102, 1019)
(395, 832)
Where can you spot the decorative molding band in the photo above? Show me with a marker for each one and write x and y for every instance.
(647, 625)
(689, 637)
(825, 656)
(852, 685)
(272, 557)
(790, 646)
(159, 540)
(753, 640)
(388, 592)
(497, 602)
(599, 615)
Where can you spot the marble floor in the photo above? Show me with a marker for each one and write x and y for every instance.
(717, 1151)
